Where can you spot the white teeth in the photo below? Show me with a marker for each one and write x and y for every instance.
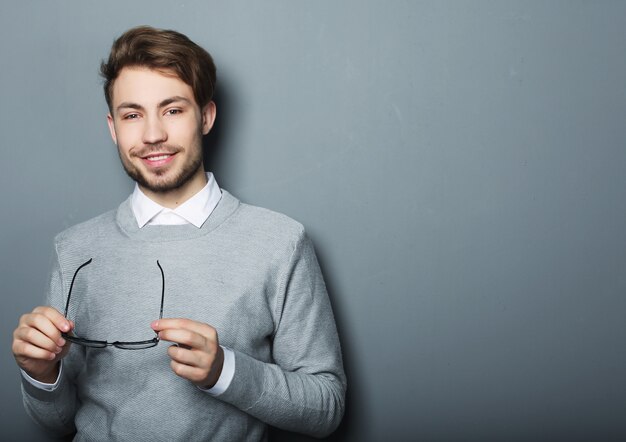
(159, 158)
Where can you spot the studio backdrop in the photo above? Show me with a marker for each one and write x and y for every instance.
(459, 165)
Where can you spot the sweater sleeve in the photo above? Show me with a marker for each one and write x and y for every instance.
(53, 410)
(303, 388)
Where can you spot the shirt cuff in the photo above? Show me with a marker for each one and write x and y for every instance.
(228, 372)
(43, 385)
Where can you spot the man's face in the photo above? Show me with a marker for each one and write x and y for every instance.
(158, 127)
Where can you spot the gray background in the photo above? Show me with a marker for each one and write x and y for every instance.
(459, 166)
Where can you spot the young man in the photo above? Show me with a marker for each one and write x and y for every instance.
(235, 288)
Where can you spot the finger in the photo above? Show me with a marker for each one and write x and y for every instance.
(165, 327)
(188, 372)
(35, 337)
(185, 337)
(59, 321)
(182, 323)
(22, 349)
(194, 358)
(44, 325)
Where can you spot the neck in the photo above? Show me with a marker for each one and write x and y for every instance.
(175, 197)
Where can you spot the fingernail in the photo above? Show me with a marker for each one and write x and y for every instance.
(154, 324)
(65, 327)
(58, 350)
(61, 342)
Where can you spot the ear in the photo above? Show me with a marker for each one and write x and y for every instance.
(112, 127)
(208, 117)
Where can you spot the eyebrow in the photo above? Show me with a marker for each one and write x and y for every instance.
(162, 104)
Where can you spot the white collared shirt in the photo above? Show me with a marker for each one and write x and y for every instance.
(196, 210)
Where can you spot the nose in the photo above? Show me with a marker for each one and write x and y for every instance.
(154, 131)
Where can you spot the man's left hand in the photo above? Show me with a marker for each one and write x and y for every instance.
(197, 356)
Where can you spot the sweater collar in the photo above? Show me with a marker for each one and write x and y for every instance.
(127, 222)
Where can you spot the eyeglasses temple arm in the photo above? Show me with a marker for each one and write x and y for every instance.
(67, 304)
(162, 289)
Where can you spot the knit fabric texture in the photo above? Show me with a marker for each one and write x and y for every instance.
(250, 273)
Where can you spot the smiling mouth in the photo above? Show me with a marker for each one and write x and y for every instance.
(158, 159)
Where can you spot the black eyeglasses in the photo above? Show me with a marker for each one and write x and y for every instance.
(133, 345)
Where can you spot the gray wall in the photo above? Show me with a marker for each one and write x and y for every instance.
(460, 167)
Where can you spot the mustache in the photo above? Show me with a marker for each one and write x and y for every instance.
(155, 148)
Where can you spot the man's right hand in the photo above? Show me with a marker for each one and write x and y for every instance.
(38, 345)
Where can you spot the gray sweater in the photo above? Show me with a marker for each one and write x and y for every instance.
(250, 273)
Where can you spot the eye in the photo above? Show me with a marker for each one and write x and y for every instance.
(132, 116)
(173, 111)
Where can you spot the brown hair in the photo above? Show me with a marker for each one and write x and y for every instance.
(165, 50)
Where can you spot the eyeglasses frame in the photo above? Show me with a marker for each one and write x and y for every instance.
(123, 345)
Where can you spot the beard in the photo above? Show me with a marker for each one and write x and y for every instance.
(163, 179)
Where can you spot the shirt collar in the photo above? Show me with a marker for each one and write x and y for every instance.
(194, 211)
